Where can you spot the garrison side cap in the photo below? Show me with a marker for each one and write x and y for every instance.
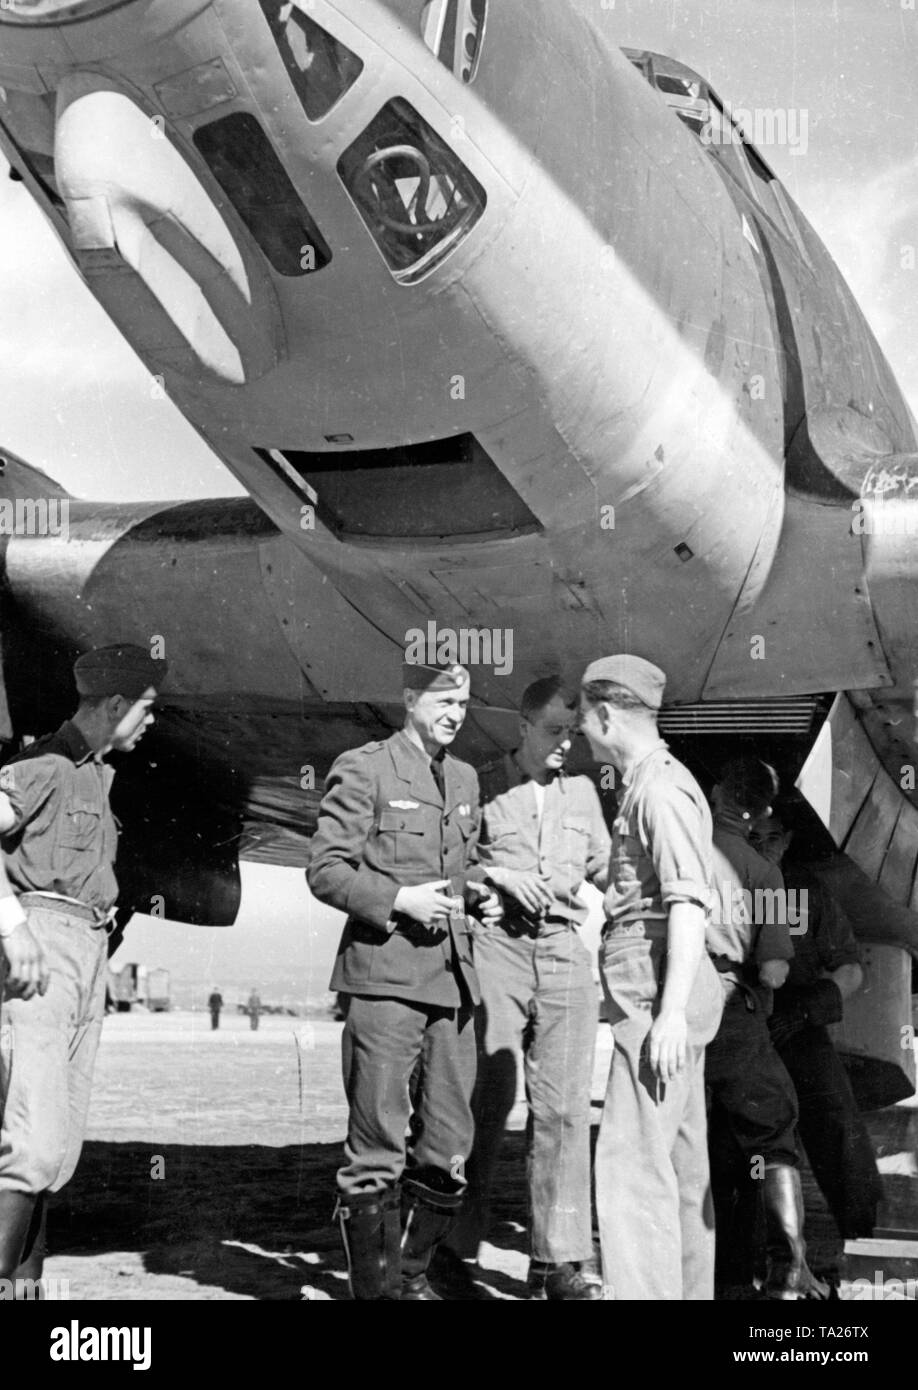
(121, 669)
(421, 676)
(639, 677)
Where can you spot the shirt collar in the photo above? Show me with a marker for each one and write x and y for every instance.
(426, 758)
(732, 822)
(631, 770)
(75, 745)
(518, 776)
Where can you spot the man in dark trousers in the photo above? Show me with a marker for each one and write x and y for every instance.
(752, 1134)
(59, 841)
(825, 971)
(215, 1004)
(396, 837)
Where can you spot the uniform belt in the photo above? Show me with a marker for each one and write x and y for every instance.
(518, 922)
(67, 908)
(743, 989)
(651, 927)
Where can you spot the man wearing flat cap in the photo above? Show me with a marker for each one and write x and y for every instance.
(396, 839)
(59, 840)
(662, 995)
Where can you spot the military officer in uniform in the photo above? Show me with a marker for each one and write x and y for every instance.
(59, 840)
(397, 832)
(663, 999)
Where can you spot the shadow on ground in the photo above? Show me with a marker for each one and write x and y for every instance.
(252, 1220)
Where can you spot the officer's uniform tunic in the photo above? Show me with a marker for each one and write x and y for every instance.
(384, 825)
(652, 1182)
(538, 998)
(59, 857)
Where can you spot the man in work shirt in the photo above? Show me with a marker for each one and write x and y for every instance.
(652, 1185)
(543, 834)
(398, 827)
(59, 841)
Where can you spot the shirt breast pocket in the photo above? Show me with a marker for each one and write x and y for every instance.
(576, 833)
(81, 827)
(400, 835)
(627, 853)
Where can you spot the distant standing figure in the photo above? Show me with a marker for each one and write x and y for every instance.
(254, 1009)
(215, 1004)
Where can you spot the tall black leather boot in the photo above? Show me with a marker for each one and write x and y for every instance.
(371, 1231)
(29, 1273)
(789, 1276)
(427, 1218)
(16, 1212)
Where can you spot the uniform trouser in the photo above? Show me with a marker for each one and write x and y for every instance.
(752, 1124)
(47, 1051)
(387, 1045)
(538, 999)
(750, 1085)
(834, 1134)
(653, 1198)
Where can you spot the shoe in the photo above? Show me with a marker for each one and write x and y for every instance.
(453, 1275)
(564, 1283)
(737, 1293)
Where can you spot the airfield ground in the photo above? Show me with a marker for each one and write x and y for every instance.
(209, 1167)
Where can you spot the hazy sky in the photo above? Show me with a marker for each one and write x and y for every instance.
(75, 401)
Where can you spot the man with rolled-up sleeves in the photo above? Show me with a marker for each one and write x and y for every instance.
(653, 1199)
(543, 836)
(396, 838)
(59, 846)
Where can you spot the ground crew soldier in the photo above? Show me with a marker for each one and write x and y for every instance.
(398, 826)
(825, 971)
(543, 835)
(753, 1105)
(653, 1200)
(59, 842)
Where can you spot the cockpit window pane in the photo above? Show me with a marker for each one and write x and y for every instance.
(454, 30)
(321, 68)
(677, 86)
(41, 166)
(415, 195)
(247, 168)
(764, 183)
(723, 139)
